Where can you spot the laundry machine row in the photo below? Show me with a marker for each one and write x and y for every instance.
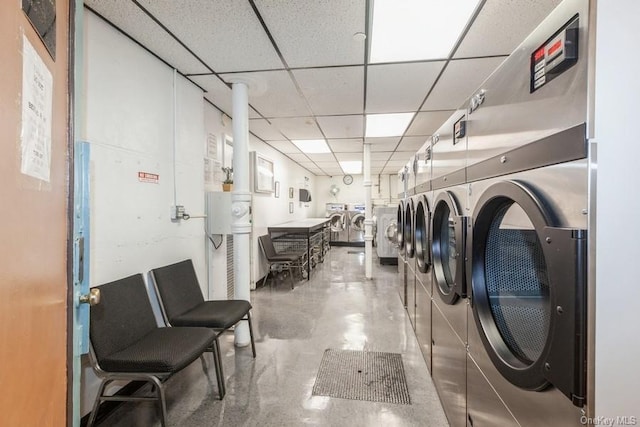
(493, 238)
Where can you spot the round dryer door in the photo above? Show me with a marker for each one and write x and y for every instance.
(409, 248)
(528, 290)
(421, 234)
(336, 221)
(400, 227)
(357, 222)
(448, 246)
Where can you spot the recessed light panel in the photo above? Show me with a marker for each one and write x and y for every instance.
(351, 166)
(312, 146)
(413, 30)
(381, 125)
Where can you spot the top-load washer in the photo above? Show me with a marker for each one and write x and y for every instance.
(527, 251)
(338, 221)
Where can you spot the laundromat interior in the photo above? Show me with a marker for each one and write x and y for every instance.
(319, 212)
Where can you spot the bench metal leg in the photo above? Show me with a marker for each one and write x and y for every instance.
(253, 344)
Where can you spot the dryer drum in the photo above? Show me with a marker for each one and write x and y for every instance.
(447, 247)
(421, 235)
(400, 227)
(408, 229)
(337, 223)
(528, 280)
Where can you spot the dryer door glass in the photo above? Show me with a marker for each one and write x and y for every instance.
(448, 249)
(400, 227)
(421, 238)
(517, 283)
(337, 223)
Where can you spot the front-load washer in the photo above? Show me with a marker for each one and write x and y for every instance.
(402, 264)
(423, 282)
(528, 176)
(386, 234)
(527, 266)
(409, 251)
(337, 214)
(356, 224)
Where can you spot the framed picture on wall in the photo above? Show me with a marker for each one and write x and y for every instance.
(277, 190)
(263, 176)
(291, 192)
(290, 207)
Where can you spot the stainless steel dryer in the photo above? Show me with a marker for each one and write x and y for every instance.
(386, 234)
(422, 244)
(402, 267)
(409, 252)
(356, 224)
(527, 252)
(448, 236)
(337, 214)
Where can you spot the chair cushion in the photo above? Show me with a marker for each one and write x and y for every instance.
(284, 258)
(214, 314)
(163, 350)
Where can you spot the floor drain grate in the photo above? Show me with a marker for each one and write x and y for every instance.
(362, 375)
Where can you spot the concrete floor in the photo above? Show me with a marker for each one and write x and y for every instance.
(335, 309)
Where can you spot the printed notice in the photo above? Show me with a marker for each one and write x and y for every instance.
(151, 178)
(37, 105)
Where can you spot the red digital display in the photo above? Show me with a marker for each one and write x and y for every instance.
(539, 54)
(557, 45)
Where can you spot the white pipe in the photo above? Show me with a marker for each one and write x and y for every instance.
(241, 203)
(175, 133)
(368, 217)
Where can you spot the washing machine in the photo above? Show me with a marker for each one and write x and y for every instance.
(400, 237)
(422, 247)
(449, 207)
(409, 252)
(337, 214)
(527, 258)
(356, 219)
(386, 235)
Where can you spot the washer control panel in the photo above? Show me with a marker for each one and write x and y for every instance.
(555, 56)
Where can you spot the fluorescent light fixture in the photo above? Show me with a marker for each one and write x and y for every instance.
(311, 146)
(351, 166)
(412, 30)
(380, 125)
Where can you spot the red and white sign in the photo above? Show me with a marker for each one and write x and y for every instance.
(152, 178)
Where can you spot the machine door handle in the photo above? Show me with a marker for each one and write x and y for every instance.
(92, 298)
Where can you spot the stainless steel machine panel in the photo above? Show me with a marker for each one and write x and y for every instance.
(448, 158)
(509, 115)
(449, 369)
(386, 232)
(423, 167)
(484, 406)
(530, 408)
(411, 292)
(423, 322)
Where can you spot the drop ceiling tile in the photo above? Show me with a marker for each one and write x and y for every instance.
(299, 157)
(402, 155)
(316, 33)
(297, 127)
(342, 126)
(385, 141)
(326, 164)
(346, 145)
(333, 171)
(226, 35)
(346, 157)
(517, 20)
(427, 123)
(382, 155)
(322, 157)
(216, 91)
(412, 143)
(396, 164)
(273, 94)
(459, 81)
(308, 164)
(393, 88)
(378, 163)
(264, 130)
(130, 19)
(285, 147)
(344, 97)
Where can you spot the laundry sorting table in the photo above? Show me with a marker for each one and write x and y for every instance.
(306, 234)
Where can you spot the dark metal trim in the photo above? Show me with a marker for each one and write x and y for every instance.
(564, 146)
(409, 248)
(400, 227)
(422, 235)
(454, 178)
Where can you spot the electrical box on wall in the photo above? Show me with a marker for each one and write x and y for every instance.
(218, 209)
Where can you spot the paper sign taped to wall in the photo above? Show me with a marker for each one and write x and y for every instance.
(152, 178)
(37, 106)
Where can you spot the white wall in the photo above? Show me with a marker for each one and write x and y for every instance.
(129, 124)
(383, 191)
(617, 287)
(266, 208)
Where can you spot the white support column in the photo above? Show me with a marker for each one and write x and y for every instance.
(368, 217)
(241, 203)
